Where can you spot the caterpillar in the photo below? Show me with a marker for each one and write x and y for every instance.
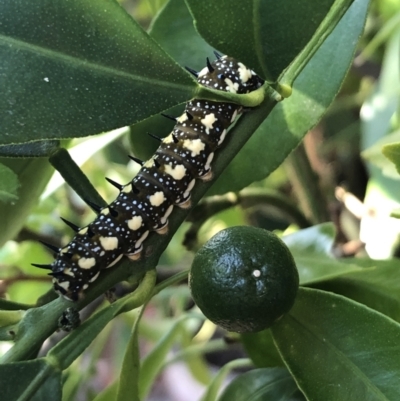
(164, 181)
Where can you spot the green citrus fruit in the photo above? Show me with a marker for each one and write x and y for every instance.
(244, 279)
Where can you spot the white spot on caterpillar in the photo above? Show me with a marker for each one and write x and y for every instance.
(232, 87)
(177, 172)
(149, 163)
(244, 73)
(83, 231)
(112, 263)
(188, 189)
(109, 243)
(203, 72)
(208, 121)
(168, 139)
(256, 273)
(195, 145)
(127, 188)
(167, 213)
(182, 118)
(68, 272)
(222, 137)
(234, 116)
(86, 263)
(135, 223)
(208, 162)
(64, 284)
(157, 199)
(94, 277)
(139, 242)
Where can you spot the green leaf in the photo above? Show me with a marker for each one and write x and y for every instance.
(311, 249)
(33, 175)
(8, 185)
(87, 67)
(32, 380)
(388, 146)
(261, 349)
(153, 362)
(314, 90)
(377, 287)
(270, 36)
(128, 385)
(263, 385)
(173, 29)
(337, 349)
(33, 149)
(392, 152)
(67, 350)
(214, 387)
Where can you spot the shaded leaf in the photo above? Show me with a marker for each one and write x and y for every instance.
(337, 349)
(377, 287)
(8, 185)
(86, 68)
(270, 36)
(314, 90)
(32, 380)
(33, 149)
(263, 385)
(311, 249)
(261, 349)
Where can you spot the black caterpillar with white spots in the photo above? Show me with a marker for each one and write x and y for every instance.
(164, 181)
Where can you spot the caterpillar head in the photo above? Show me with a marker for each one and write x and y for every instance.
(229, 75)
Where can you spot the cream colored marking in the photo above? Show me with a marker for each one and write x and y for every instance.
(185, 204)
(222, 137)
(207, 176)
(244, 73)
(162, 230)
(177, 172)
(83, 231)
(149, 163)
(134, 256)
(139, 242)
(256, 273)
(102, 253)
(157, 199)
(189, 188)
(85, 286)
(86, 263)
(232, 87)
(234, 116)
(109, 243)
(203, 72)
(168, 139)
(64, 284)
(68, 272)
(127, 188)
(182, 118)
(195, 145)
(105, 211)
(115, 261)
(135, 223)
(167, 213)
(94, 277)
(64, 250)
(208, 162)
(208, 121)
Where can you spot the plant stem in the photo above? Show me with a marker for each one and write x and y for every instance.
(306, 186)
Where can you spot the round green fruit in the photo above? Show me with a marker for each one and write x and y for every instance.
(244, 279)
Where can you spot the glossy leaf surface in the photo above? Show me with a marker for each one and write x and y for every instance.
(338, 349)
